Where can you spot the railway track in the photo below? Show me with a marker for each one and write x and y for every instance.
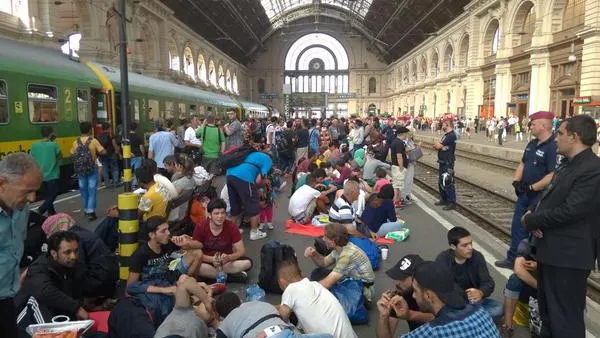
(491, 211)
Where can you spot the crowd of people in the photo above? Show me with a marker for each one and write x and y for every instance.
(356, 172)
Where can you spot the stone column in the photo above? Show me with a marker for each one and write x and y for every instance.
(503, 87)
(474, 93)
(541, 73)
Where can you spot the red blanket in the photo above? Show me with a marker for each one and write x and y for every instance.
(313, 231)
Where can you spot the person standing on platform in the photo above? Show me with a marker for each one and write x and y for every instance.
(20, 178)
(233, 129)
(213, 143)
(446, 148)
(565, 224)
(532, 176)
(193, 145)
(47, 154)
(160, 145)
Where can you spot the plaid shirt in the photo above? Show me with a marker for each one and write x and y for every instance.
(353, 262)
(470, 322)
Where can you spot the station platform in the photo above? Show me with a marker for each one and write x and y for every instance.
(428, 223)
(478, 143)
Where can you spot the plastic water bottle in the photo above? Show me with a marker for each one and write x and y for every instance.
(221, 275)
(254, 292)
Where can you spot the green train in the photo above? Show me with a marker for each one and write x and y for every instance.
(40, 86)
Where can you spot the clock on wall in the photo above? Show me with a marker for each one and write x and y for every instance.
(316, 65)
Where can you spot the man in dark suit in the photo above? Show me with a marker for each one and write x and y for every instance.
(564, 222)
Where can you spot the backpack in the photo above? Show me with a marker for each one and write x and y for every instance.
(36, 237)
(83, 163)
(235, 156)
(369, 248)
(271, 254)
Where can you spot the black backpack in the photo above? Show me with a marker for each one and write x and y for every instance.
(83, 163)
(235, 156)
(271, 255)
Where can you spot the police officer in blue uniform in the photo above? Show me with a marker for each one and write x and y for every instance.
(446, 148)
(531, 177)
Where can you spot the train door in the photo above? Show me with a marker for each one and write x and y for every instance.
(101, 109)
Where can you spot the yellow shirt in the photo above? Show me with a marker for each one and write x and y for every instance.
(153, 203)
(95, 146)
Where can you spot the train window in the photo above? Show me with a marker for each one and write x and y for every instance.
(153, 110)
(169, 110)
(43, 106)
(3, 103)
(182, 108)
(83, 105)
(136, 110)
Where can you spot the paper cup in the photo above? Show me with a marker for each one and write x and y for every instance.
(384, 253)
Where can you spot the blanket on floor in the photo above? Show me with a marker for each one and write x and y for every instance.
(313, 231)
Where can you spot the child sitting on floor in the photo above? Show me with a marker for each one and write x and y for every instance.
(381, 179)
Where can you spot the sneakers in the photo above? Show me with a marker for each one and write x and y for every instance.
(406, 201)
(504, 264)
(238, 277)
(270, 226)
(256, 235)
(266, 225)
(398, 205)
(450, 206)
(91, 216)
(440, 202)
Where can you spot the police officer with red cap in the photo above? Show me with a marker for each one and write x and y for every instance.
(533, 175)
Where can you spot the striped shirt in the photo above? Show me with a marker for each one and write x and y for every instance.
(341, 211)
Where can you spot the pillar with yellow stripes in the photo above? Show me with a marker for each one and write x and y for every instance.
(127, 172)
(128, 230)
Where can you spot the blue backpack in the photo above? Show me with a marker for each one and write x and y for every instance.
(369, 248)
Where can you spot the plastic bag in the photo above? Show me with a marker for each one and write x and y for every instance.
(320, 220)
(350, 294)
(254, 292)
(399, 235)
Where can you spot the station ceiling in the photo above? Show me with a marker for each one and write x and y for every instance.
(240, 28)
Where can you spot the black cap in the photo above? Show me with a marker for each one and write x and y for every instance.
(402, 130)
(435, 277)
(405, 267)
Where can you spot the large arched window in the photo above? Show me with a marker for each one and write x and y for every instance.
(221, 77)
(372, 85)
(212, 73)
(188, 66)
(574, 14)
(235, 83)
(174, 61)
(202, 68)
(496, 42)
(228, 81)
(317, 63)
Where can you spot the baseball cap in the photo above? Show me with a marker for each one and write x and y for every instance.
(435, 277)
(405, 267)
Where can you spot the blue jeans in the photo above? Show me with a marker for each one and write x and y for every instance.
(517, 231)
(493, 307)
(514, 286)
(448, 193)
(135, 163)
(389, 227)
(110, 166)
(288, 333)
(87, 188)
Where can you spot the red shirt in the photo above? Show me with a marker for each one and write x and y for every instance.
(223, 242)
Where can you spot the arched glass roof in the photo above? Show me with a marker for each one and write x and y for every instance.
(316, 45)
(275, 8)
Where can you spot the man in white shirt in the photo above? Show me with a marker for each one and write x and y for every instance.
(192, 143)
(317, 309)
(306, 199)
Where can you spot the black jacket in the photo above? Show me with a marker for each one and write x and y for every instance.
(568, 213)
(54, 286)
(477, 270)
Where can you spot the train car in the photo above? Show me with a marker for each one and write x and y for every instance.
(41, 86)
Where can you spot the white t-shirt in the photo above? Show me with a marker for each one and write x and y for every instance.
(301, 198)
(190, 135)
(270, 131)
(317, 309)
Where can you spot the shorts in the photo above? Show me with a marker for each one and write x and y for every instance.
(307, 215)
(398, 177)
(242, 195)
(178, 264)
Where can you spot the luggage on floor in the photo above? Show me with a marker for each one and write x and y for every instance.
(350, 294)
(271, 254)
(369, 248)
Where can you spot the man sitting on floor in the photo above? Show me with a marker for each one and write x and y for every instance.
(469, 270)
(184, 320)
(155, 267)
(343, 212)
(317, 309)
(306, 199)
(217, 234)
(402, 273)
(253, 319)
(55, 280)
(436, 293)
(350, 261)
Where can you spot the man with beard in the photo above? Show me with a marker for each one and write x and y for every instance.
(402, 274)
(446, 159)
(435, 292)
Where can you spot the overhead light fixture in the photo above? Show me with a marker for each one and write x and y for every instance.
(572, 56)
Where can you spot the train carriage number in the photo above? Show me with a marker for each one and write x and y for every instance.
(68, 103)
